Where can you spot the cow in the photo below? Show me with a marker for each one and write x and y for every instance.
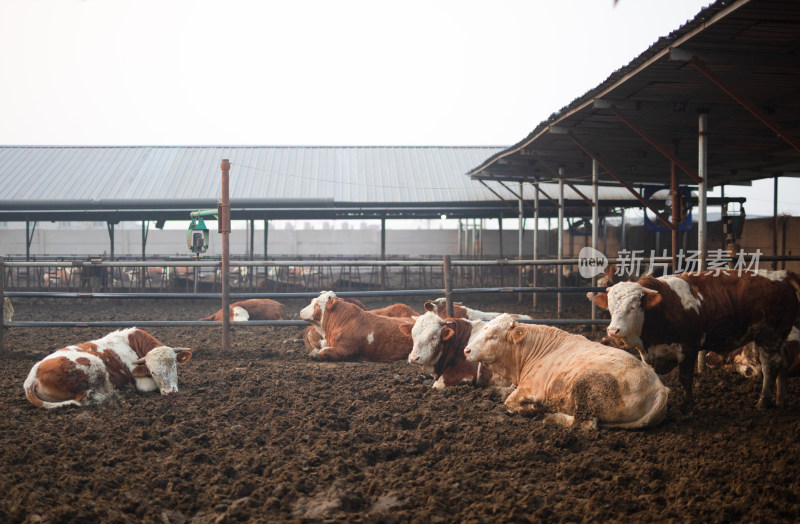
(316, 341)
(568, 377)
(92, 372)
(8, 310)
(745, 360)
(439, 306)
(256, 309)
(670, 318)
(439, 350)
(354, 334)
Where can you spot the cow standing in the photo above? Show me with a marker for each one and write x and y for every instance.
(354, 334)
(92, 372)
(439, 350)
(671, 318)
(569, 376)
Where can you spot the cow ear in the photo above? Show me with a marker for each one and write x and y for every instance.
(140, 371)
(447, 333)
(517, 333)
(405, 329)
(183, 356)
(601, 299)
(651, 299)
(429, 306)
(332, 303)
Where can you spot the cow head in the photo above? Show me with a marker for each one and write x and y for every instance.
(427, 333)
(495, 337)
(239, 314)
(160, 364)
(315, 311)
(627, 302)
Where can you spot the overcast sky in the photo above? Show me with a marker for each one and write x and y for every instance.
(250, 72)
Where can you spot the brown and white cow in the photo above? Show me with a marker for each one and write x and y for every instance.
(439, 350)
(256, 308)
(570, 377)
(439, 306)
(313, 314)
(671, 318)
(91, 372)
(354, 334)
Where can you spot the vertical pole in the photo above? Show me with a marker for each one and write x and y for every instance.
(676, 211)
(500, 236)
(144, 247)
(266, 251)
(448, 293)
(460, 244)
(775, 222)
(28, 243)
(251, 269)
(702, 190)
(383, 252)
(535, 237)
(225, 230)
(560, 228)
(595, 223)
(521, 218)
(3, 300)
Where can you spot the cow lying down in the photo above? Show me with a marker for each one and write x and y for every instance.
(313, 336)
(252, 309)
(439, 306)
(570, 377)
(92, 372)
(354, 334)
(439, 350)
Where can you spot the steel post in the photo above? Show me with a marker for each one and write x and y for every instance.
(225, 231)
(702, 191)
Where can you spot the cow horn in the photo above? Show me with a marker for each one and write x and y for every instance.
(181, 349)
(648, 290)
(140, 361)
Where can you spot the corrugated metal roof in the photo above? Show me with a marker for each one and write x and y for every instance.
(47, 177)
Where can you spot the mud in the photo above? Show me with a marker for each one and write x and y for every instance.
(264, 434)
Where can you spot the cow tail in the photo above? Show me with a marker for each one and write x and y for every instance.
(33, 398)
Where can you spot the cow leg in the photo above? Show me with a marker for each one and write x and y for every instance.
(521, 401)
(333, 353)
(686, 371)
(773, 368)
(701, 361)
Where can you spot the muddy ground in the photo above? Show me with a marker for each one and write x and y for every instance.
(263, 434)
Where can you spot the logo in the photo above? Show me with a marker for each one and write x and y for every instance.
(591, 262)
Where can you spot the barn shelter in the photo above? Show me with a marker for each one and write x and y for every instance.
(715, 102)
(159, 183)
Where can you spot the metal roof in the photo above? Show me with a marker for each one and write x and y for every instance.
(732, 55)
(266, 182)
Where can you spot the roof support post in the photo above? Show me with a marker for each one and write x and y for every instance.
(521, 216)
(560, 234)
(535, 236)
(676, 213)
(624, 184)
(745, 103)
(595, 223)
(775, 222)
(500, 236)
(225, 230)
(702, 190)
(29, 239)
(556, 173)
(145, 231)
(383, 251)
(661, 149)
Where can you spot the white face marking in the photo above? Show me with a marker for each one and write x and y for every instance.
(307, 313)
(426, 334)
(370, 337)
(163, 367)
(240, 314)
(627, 315)
(481, 346)
(683, 290)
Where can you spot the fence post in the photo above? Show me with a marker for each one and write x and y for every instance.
(448, 294)
(3, 299)
(225, 230)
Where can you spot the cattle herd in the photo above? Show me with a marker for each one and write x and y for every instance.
(656, 324)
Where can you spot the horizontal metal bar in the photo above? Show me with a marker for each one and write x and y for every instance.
(305, 294)
(253, 323)
(378, 263)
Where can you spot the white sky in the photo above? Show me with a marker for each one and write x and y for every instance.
(250, 72)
